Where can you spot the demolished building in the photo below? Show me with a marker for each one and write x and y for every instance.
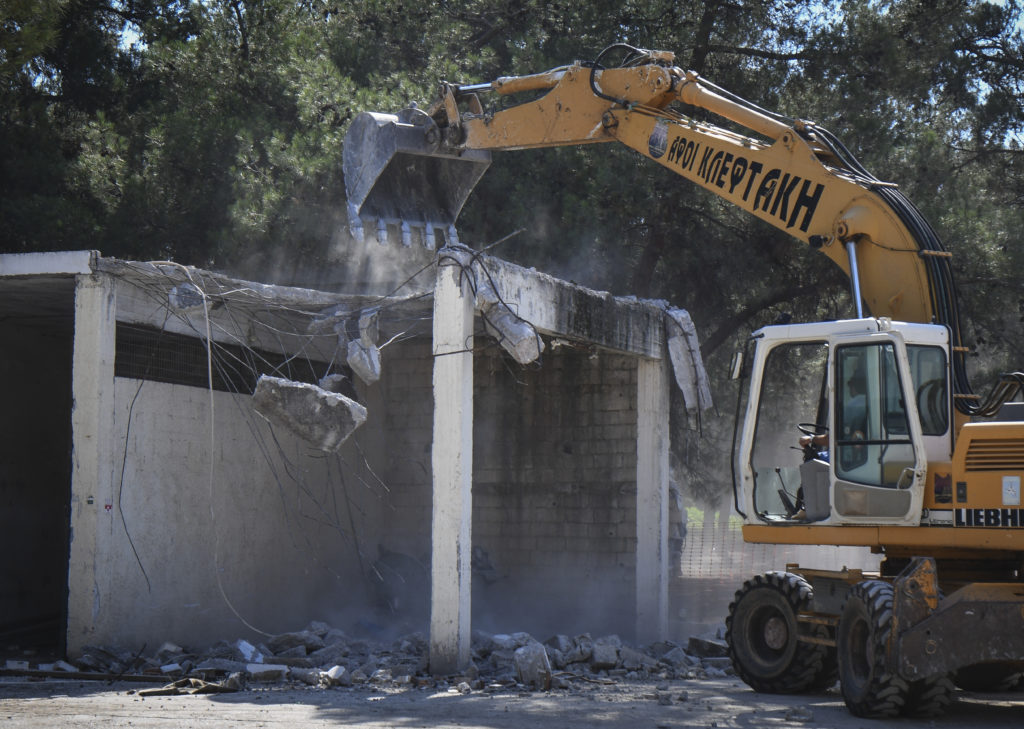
(511, 463)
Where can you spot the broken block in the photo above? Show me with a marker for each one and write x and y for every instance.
(266, 671)
(364, 359)
(532, 666)
(324, 419)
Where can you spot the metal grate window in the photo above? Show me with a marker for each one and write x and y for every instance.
(146, 353)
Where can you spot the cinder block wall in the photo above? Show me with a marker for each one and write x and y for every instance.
(554, 482)
(554, 500)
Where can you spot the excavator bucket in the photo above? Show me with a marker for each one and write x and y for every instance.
(400, 179)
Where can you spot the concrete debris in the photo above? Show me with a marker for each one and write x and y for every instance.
(186, 298)
(332, 660)
(687, 365)
(707, 648)
(266, 671)
(532, 666)
(364, 359)
(516, 335)
(324, 419)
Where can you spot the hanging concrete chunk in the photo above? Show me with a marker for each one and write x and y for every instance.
(324, 419)
(518, 337)
(684, 352)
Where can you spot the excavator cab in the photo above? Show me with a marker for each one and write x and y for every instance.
(858, 382)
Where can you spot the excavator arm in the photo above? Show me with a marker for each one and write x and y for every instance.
(414, 171)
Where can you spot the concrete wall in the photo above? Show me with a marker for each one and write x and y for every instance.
(554, 486)
(166, 548)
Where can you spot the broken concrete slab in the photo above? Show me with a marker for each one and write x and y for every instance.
(604, 655)
(687, 364)
(324, 419)
(305, 639)
(266, 671)
(706, 648)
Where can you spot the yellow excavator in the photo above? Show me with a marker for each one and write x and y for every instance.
(893, 453)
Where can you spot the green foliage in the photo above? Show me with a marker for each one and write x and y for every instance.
(211, 131)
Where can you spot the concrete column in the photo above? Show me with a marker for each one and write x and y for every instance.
(92, 423)
(652, 449)
(452, 458)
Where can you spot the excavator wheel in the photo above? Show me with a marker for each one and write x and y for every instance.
(869, 688)
(929, 696)
(761, 631)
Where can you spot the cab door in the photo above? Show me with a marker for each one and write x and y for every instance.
(877, 457)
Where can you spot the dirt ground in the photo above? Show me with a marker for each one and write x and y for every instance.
(721, 703)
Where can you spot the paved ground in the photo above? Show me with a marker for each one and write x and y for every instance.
(718, 703)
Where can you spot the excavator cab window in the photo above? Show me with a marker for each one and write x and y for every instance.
(929, 371)
(872, 441)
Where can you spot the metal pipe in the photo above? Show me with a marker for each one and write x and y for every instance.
(851, 252)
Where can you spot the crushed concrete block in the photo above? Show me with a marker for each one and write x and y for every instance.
(304, 639)
(582, 649)
(308, 676)
(562, 643)
(220, 665)
(464, 688)
(677, 657)
(707, 648)
(338, 676)
(633, 659)
(13, 665)
(330, 654)
(171, 668)
(266, 671)
(532, 666)
(503, 642)
(556, 657)
(248, 651)
(364, 359)
(324, 419)
(64, 666)
(604, 655)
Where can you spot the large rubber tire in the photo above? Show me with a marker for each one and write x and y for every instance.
(761, 632)
(869, 689)
(930, 696)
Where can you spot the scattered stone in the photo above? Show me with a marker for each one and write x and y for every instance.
(561, 643)
(677, 658)
(329, 655)
(799, 713)
(464, 688)
(308, 676)
(582, 649)
(266, 671)
(220, 665)
(664, 699)
(338, 676)
(604, 656)
(706, 648)
(722, 664)
(287, 643)
(248, 651)
(532, 666)
(633, 659)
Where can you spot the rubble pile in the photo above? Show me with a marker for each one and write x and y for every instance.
(325, 657)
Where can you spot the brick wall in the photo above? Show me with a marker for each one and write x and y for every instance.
(554, 474)
(554, 501)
